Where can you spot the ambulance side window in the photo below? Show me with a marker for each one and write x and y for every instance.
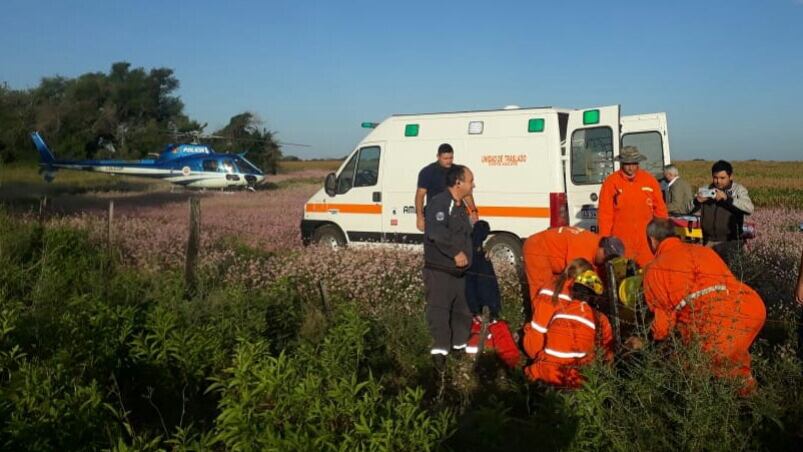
(367, 167)
(651, 146)
(346, 178)
(591, 155)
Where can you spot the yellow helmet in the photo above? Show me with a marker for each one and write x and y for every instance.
(630, 289)
(590, 279)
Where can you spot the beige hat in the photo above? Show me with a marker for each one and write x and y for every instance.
(630, 154)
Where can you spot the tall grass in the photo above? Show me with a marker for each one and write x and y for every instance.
(102, 350)
(95, 354)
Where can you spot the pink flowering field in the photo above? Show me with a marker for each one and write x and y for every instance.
(150, 232)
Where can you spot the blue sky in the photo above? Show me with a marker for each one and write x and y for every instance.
(728, 73)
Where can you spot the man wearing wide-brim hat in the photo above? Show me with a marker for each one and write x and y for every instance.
(629, 199)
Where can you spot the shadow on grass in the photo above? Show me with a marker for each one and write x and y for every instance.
(64, 204)
(24, 197)
(503, 411)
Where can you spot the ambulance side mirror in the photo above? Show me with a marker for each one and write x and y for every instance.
(330, 184)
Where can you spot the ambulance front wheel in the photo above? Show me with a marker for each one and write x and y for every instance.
(329, 235)
(506, 248)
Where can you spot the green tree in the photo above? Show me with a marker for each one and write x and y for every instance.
(245, 133)
(131, 108)
(16, 119)
(134, 109)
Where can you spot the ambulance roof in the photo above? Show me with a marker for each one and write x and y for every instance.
(492, 110)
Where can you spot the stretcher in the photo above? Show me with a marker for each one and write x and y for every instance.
(689, 228)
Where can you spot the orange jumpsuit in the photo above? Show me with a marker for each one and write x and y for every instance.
(690, 288)
(547, 253)
(562, 337)
(626, 207)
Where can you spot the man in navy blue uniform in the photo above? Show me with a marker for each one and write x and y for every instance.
(447, 256)
(432, 180)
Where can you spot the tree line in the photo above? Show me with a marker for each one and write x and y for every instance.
(126, 113)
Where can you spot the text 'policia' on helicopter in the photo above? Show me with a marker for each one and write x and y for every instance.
(188, 165)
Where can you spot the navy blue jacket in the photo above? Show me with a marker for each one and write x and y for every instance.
(482, 288)
(447, 232)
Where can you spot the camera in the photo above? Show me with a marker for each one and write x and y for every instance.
(707, 192)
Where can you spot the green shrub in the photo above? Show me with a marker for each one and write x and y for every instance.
(44, 407)
(321, 398)
(665, 398)
(95, 355)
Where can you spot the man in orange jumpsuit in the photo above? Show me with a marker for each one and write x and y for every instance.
(629, 199)
(547, 253)
(690, 288)
(566, 332)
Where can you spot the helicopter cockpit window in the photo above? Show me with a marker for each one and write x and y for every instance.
(210, 165)
(246, 167)
(228, 166)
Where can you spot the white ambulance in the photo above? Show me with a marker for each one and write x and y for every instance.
(534, 168)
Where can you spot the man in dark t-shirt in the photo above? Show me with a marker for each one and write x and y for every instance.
(432, 180)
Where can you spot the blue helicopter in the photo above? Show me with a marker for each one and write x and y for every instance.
(188, 165)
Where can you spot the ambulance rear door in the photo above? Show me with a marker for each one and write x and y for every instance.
(648, 133)
(592, 145)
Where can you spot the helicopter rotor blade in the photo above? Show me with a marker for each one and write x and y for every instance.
(198, 135)
(284, 143)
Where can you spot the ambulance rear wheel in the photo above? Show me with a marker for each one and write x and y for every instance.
(505, 248)
(329, 235)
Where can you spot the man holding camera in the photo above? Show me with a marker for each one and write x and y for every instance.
(723, 205)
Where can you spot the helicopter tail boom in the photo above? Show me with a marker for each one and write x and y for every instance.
(44, 152)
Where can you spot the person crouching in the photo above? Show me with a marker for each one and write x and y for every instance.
(566, 332)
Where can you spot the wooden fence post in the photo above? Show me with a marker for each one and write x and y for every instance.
(327, 307)
(107, 262)
(42, 209)
(614, 306)
(109, 223)
(193, 246)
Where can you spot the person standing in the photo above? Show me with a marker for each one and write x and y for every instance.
(723, 205)
(447, 256)
(432, 180)
(689, 288)
(629, 199)
(679, 194)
